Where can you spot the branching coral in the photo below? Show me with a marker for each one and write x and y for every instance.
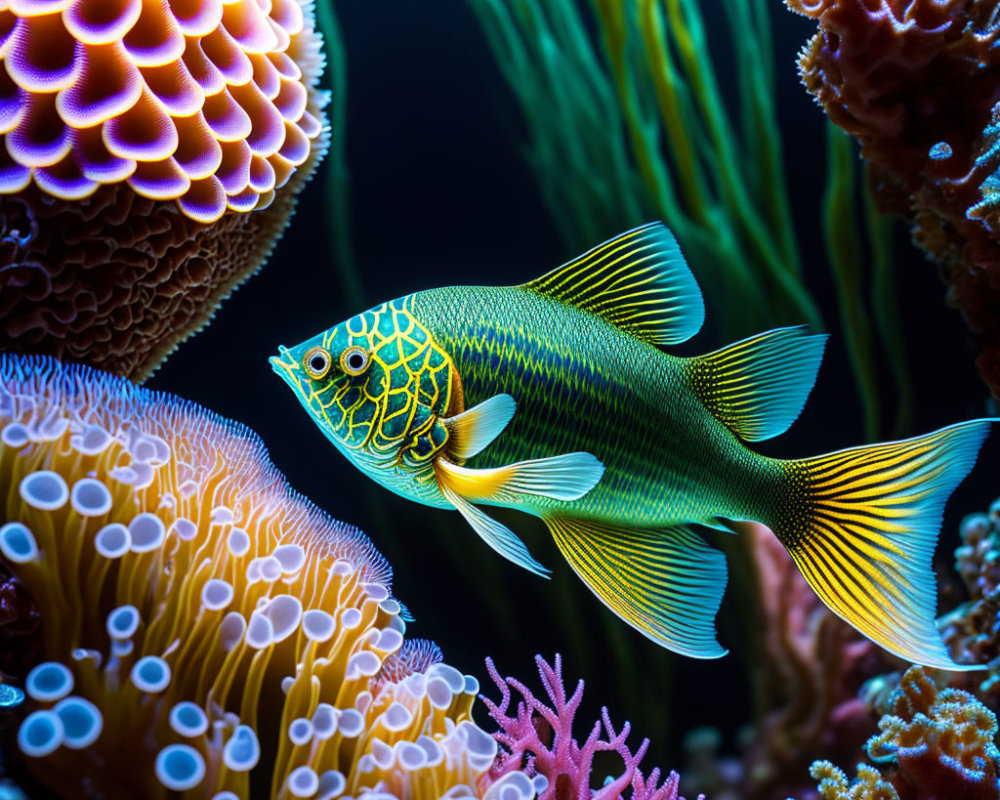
(934, 744)
(135, 138)
(206, 630)
(538, 739)
(915, 81)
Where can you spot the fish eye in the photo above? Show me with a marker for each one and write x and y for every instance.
(354, 360)
(317, 363)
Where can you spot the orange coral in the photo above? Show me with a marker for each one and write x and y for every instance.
(136, 135)
(916, 82)
(207, 631)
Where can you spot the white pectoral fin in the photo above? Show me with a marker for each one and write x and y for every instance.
(498, 536)
(476, 427)
(564, 477)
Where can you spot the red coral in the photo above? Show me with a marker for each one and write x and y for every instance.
(916, 81)
(538, 740)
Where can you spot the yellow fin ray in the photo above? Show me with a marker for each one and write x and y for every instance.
(863, 528)
(474, 429)
(564, 477)
(666, 583)
(638, 282)
(758, 386)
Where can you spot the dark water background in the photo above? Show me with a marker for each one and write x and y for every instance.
(442, 195)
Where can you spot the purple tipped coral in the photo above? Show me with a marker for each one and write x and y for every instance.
(538, 742)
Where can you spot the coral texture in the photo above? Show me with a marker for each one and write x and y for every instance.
(808, 668)
(915, 81)
(136, 138)
(206, 629)
(972, 630)
(933, 745)
(537, 741)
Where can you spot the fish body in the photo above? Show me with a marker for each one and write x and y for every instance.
(557, 398)
(594, 388)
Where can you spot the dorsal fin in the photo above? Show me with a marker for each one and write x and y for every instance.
(757, 386)
(638, 282)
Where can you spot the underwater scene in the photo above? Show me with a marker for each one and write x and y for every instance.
(607, 409)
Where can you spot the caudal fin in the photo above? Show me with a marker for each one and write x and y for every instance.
(863, 527)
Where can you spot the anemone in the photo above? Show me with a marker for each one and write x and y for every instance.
(150, 158)
(206, 630)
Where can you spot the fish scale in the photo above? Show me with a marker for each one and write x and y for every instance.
(632, 413)
(557, 398)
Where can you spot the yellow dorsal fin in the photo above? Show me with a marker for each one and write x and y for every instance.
(638, 281)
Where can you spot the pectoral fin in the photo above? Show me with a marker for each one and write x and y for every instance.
(476, 427)
(499, 537)
(666, 583)
(565, 477)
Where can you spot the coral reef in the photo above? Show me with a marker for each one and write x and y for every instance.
(806, 677)
(150, 158)
(933, 744)
(915, 82)
(972, 630)
(537, 742)
(205, 629)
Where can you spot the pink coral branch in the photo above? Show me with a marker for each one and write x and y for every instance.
(538, 740)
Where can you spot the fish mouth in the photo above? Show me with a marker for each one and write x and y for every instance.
(285, 366)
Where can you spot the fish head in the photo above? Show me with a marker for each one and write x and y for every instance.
(378, 386)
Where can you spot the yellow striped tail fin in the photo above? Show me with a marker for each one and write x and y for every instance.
(863, 527)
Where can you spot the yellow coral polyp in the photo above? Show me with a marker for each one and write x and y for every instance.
(206, 629)
(98, 92)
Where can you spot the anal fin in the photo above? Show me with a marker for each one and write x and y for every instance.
(666, 582)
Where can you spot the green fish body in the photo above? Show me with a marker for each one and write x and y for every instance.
(556, 398)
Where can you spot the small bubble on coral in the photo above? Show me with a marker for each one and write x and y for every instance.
(49, 682)
(17, 544)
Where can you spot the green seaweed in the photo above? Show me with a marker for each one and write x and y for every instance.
(627, 122)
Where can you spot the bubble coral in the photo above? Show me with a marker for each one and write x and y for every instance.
(151, 153)
(537, 742)
(207, 631)
(915, 81)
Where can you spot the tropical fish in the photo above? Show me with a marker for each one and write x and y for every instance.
(555, 398)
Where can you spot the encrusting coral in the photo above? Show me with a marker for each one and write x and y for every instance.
(537, 746)
(972, 630)
(151, 154)
(206, 632)
(915, 82)
(933, 744)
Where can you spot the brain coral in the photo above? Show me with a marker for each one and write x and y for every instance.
(207, 631)
(138, 135)
(915, 81)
